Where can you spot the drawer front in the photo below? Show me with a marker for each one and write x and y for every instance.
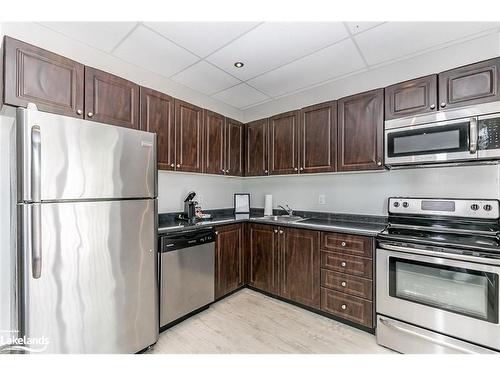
(348, 307)
(350, 244)
(356, 286)
(346, 264)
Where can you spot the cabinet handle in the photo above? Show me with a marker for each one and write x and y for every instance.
(79, 111)
(343, 264)
(443, 104)
(178, 165)
(343, 283)
(433, 106)
(343, 306)
(275, 231)
(343, 244)
(281, 232)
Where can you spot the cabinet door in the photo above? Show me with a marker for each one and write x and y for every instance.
(228, 259)
(411, 97)
(283, 145)
(188, 135)
(34, 75)
(256, 163)
(361, 126)
(213, 143)
(318, 138)
(470, 84)
(111, 99)
(234, 147)
(157, 116)
(263, 252)
(300, 266)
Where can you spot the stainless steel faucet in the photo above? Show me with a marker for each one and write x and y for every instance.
(287, 209)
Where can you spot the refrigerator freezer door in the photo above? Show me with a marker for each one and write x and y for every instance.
(97, 291)
(63, 158)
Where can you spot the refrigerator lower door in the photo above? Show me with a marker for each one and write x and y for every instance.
(64, 158)
(97, 285)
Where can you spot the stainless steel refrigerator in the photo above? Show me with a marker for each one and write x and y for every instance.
(86, 235)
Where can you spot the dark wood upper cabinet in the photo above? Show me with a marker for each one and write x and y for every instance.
(34, 75)
(228, 259)
(361, 126)
(256, 150)
(318, 138)
(111, 99)
(470, 84)
(300, 266)
(263, 257)
(234, 147)
(213, 143)
(188, 137)
(283, 143)
(410, 98)
(157, 116)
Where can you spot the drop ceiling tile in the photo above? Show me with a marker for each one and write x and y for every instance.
(334, 61)
(102, 35)
(205, 78)
(201, 38)
(149, 50)
(272, 44)
(394, 40)
(358, 27)
(241, 96)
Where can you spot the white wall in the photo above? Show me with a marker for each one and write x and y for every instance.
(44, 37)
(367, 193)
(481, 48)
(212, 191)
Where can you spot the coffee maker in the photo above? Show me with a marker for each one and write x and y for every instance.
(189, 207)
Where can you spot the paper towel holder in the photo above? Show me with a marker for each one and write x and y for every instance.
(241, 203)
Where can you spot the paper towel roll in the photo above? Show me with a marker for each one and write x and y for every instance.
(268, 205)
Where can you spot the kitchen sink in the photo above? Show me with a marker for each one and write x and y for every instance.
(281, 218)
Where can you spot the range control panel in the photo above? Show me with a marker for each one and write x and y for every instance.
(471, 208)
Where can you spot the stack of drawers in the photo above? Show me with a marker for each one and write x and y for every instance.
(346, 277)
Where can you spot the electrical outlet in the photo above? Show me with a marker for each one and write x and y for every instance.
(322, 199)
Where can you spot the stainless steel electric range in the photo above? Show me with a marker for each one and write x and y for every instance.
(438, 268)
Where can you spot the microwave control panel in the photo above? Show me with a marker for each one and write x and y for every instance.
(489, 134)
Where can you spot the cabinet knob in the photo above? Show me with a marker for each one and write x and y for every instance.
(216, 232)
(443, 104)
(79, 111)
(172, 165)
(275, 231)
(281, 232)
(90, 114)
(379, 163)
(343, 264)
(433, 106)
(343, 244)
(227, 170)
(295, 169)
(343, 306)
(178, 166)
(266, 171)
(301, 168)
(343, 283)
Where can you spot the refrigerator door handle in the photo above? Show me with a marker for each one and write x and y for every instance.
(32, 239)
(36, 156)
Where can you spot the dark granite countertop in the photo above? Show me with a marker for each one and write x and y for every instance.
(367, 225)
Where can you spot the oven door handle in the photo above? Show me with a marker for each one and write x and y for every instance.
(467, 258)
(457, 348)
(473, 135)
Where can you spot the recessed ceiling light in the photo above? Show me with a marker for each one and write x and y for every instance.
(238, 64)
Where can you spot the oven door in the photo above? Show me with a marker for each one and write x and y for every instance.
(438, 142)
(453, 297)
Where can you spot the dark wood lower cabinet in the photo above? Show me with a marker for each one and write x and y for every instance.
(263, 257)
(355, 309)
(229, 259)
(299, 266)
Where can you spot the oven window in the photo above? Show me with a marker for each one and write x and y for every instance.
(462, 291)
(439, 139)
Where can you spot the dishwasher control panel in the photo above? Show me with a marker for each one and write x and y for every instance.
(176, 241)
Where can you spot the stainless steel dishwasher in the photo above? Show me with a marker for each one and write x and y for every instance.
(187, 274)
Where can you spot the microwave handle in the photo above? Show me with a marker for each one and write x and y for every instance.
(473, 135)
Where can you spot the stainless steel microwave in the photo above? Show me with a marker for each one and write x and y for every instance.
(467, 134)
